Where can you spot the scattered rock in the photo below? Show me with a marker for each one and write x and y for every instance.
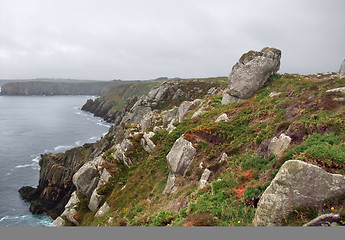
(341, 89)
(70, 208)
(342, 70)
(95, 200)
(227, 98)
(324, 220)
(204, 178)
(187, 106)
(273, 94)
(297, 184)
(213, 91)
(104, 209)
(252, 70)
(199, 111)
(58, 222)
(147, 143)
(169, 116)
(121, 149)
(223, 117)
(170, 187)
(223, 157)
(180, 156)
(278, 146)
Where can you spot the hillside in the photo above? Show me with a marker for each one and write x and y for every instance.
(51, 87)
(190, 154)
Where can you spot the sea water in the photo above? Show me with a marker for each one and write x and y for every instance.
(29, 127)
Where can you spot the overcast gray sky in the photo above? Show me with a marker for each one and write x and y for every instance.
(143, 39)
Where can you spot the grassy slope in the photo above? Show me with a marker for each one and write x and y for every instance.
(315, 121)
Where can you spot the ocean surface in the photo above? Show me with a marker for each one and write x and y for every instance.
(30, 126)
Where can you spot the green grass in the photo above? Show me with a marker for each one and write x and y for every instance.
(303, 109)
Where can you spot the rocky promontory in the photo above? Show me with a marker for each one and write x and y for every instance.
(181, 154)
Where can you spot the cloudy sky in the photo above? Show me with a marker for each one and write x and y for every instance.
(145, 39)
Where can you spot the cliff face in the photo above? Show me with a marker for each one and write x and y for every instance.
(59, 88)
(55, 183)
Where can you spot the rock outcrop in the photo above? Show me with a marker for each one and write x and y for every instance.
(277, 146)
(251, 72)
(223, 117)
(87, 177)
(340, 89)
(342, 70)
(325, 220)
(297, 184)
(180, 156)
(204, 178)
(55, 183)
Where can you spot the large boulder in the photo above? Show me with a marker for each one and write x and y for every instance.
(96, 199)
(121, 150)
(87, 177)
(342, 70)
(252, 70)
(70, 209)
(147, 143)
(297, 184)
(180, 156)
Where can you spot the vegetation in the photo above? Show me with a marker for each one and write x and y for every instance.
(313, 118)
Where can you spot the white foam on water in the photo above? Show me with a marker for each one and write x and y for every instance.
(36, 159)
(24, 166)
(104, 125)
(93, 138)
(78, 143)
(62, 147)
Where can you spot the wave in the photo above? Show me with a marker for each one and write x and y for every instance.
(31, 220)
(25, 165)
(103, 124)
(36, 159)
(62, 147)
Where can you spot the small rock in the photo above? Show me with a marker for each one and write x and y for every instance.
(223, 117)
(58, 222)
(341, 89)
(223, 157)
(328, 219)
(278, 146)
(273, 94)
(227, 98)
(104, 209)
(204, 178)
(170, 187)
(199, 111)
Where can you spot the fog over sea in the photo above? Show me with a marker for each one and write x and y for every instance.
(30, 126)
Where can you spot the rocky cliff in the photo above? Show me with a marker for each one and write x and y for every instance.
(182, 156)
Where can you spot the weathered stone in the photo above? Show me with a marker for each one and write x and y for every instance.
(199, 111)
(104, 209)
(70, 208)
(342, 70)
(227, 98)
(185, 107)
(341, 89)
(58, 222)
(95, 200)
(278, 146)
(179, 93)
(180, 155)
(273, 94)
(147, 143)
(223, 157)
(171, 127)
(121, 149)
(204, 178)
(252, 70)
(86, 178)
(297, 184)
(170, 187)
(223, 117)
(213, 91)
(170, 115)
(324, 220)
(105, 177)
